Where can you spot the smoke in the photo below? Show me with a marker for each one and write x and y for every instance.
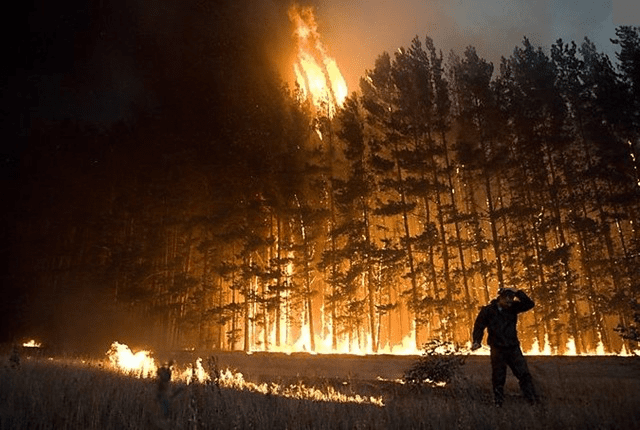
(115, 60)
(357, 32)
(96, 61)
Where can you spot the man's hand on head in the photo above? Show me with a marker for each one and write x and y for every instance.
(508, 290)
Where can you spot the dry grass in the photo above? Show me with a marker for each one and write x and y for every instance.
(577, 394)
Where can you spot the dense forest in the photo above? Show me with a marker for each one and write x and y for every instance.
(222, 210)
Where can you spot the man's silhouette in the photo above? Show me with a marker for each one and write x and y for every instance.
(500, 318)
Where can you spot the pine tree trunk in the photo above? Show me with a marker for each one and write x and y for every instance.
(371, 283)
(408, 247)
(566, 269)
(495, 240)
(247, 317)
(454, 212)
(279, 269)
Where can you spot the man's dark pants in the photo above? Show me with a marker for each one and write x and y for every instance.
(512, 357)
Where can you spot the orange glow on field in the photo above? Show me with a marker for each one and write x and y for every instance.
(316, 72)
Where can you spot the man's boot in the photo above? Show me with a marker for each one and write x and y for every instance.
(498, 396)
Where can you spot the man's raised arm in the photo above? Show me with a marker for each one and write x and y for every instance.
(524, 302)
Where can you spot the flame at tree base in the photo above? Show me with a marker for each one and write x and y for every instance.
(407, 346)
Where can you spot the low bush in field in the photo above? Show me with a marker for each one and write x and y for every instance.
(440, 364)
(58, 394)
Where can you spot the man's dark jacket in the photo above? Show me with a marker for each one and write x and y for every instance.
(501, 323)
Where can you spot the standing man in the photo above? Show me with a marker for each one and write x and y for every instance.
(500, 318)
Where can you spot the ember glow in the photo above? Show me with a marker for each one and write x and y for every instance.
(316, 72)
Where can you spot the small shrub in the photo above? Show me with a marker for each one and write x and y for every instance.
(439, 364)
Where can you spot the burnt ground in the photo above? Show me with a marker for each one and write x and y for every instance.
(556, 370)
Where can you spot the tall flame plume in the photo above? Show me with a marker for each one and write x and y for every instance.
(317, 74)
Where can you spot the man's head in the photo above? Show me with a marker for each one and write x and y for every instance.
(506, 297)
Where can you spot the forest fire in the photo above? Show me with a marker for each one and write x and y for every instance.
(323, 345)
(407, 347)
(421, 203)
(316, 72)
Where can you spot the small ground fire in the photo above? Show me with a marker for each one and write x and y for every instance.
(142, 365)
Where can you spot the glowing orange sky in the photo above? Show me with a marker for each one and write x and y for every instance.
(357, 32)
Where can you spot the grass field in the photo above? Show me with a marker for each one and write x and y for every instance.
(300, 391)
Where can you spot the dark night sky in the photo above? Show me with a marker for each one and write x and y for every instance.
(94, 60)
